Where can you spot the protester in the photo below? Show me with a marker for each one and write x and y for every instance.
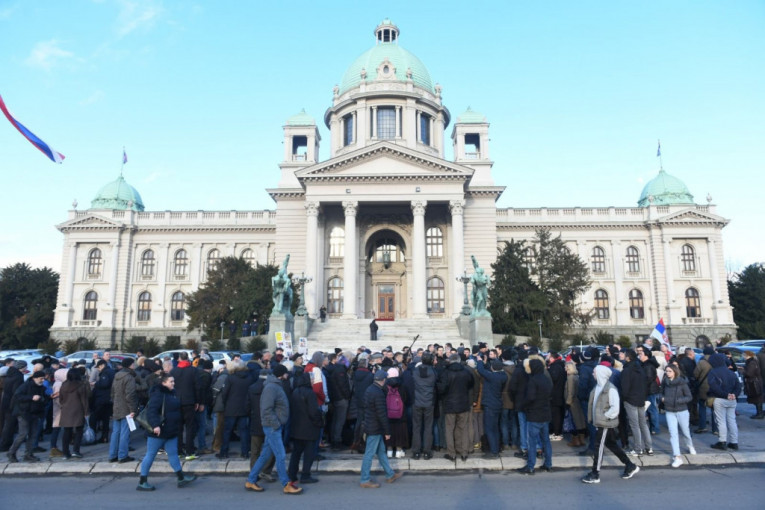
(29, 402)
(235, 411)
(701, 374)
(125, 404)
(753, 383)
(305, 425)
(724, 387)
(73, 399)
(187, 389)
(676, 394)
(377, 428)
(454, 387)
(538, 415)
(424, 377)
(634, 393)
(491, 401)
(572, 404)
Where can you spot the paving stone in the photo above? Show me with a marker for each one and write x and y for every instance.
(436, 463)
(115, 467)
(477, 462)
(71, 467)
(746, 457)
(27, 468)
(237, 466)
(710, 459)
(205, 466)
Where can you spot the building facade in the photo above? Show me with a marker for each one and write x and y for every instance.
(386, 225)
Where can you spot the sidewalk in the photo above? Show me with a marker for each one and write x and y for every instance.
(95, 461)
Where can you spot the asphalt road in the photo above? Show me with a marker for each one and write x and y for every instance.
(699, 489)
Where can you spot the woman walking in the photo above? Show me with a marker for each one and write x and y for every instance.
(753, 383)
(164, 415)
(73, 398)
(676, 394)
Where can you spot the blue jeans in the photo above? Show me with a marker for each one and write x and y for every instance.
(653, 413)
(202, 429)
(271, 445)
(118, 445)
(703, 416)
(243, 423)
(509, 427)
(539, 431)
(375, 446)
(523, 431)
(491, 428)
(153, 444)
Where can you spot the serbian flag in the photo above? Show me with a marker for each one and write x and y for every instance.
(54, 156)
(660, 333)
(124, 156)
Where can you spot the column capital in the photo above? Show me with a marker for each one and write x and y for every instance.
(418, 207)
(312, 209)
(350, 207)
(456, 207)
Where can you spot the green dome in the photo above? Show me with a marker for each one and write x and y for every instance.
(665, 190)
(471, 117)
(117, 195)
(301, 119)
(388, 48)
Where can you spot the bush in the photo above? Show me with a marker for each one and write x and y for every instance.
(192, 344)
(215, 345)
(602, 338)
(233, 344)
(624, 341)
(81, 344)
(151, 348)
(256, 343)
(556, 345)
(508, 340)
(134, 343)
(579, 339)
(171, 343)
(51, 346)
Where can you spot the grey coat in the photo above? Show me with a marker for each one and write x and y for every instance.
(274, 406)
(123, 394)
(424, 386)
(676, 394)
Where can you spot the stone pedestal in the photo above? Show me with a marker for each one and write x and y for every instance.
(302, 328)
(280, 323)
(480, 330)
(463, 324)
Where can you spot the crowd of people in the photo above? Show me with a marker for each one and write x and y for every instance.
(452, 401)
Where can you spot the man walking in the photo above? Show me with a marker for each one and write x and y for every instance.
(29, 403)
(377, 427)
(186, 387)
(125, 403)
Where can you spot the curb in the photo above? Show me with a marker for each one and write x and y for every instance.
(353, 465)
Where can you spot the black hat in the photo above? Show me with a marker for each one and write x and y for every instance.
(709, 350)
(37, 374)
(279, 370)
(127, 362)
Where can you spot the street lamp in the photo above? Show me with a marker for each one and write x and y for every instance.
(223, 323)
(539, 321)
(300, 282)
(465, 279)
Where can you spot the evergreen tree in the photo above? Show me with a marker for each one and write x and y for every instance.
(27, 302)
(747, 297)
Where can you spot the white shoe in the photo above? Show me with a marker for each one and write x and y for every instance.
(677, 462)
(390, 454)
(400, 454)
(692, 450)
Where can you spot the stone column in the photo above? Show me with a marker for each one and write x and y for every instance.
(457, 261)
(398, 122)
(713, 273)
(113, 276)
(419, 285)
(311, 258)
(196, 266)
(668, 279)
(616, 249)
(71, 274)
(350, 263)
(374, 123)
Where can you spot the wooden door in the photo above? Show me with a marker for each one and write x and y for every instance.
(386, 303)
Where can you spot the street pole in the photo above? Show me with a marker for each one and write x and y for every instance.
(300, 282)
(539, 321)
(221, 331)
(465, 279)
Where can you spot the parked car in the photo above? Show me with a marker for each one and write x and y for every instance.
(215, 355)
(746, 343)
(15, 353)
(565, 354)
(86, 355)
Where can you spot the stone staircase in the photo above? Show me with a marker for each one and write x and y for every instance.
(349, 334)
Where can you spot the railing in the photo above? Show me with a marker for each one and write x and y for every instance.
(87, 324)
(697, 320)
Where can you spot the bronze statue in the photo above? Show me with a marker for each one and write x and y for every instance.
(480, 293)
(282, 290)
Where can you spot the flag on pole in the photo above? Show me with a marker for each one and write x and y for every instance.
(54, 156)
(658, 150)
(660, 333)
(124, 156)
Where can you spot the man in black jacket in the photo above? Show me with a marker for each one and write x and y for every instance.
(29, 403)
(339, 388)
(538, 415)
(634, 394)
(377, 426)
(187, 387)
(306, 421)
(13, 379)
(557, 371)
(454, 385)
(204, 373)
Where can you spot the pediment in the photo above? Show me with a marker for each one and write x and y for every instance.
(385, 161)
(89, 221)
(692, 216)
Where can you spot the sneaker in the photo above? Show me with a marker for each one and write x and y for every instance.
(55, 452)
(12, 459)
(525, 470)
(523, 454)
(254, 487)
(390, 454)
(555, 437)
(162, 451)
(449, 457)
(677, 462)
(290, 488)
(630, 472)
(692, 450)
(733, 446)
(427, 456)
(187, 479)
(416, 456)
(77, 455)
(113, 460)
(719, 445)
(649, 452)
(400, 454)
(635, 453)
(126, 459)
(591, 478)
(396, 476)
(370, 485)
(144, 486)
(191, 457)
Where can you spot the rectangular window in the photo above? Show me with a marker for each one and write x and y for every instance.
(425, 128)
(386, 123)
(348, 130)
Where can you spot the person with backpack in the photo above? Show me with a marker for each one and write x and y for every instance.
(377, 427)
(395, 400)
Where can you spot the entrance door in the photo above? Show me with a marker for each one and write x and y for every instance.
(386, 303)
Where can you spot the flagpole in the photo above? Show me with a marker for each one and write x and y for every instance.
(122, 167)
(658, 153)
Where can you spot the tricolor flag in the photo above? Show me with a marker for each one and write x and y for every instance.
(124, 156)
(54, 156)
(660, 333)
(658, 150)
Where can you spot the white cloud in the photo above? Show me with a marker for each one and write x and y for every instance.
(47, 54)
(137, 14)
(95, 97)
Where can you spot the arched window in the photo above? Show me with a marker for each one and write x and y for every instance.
(90, 310)
(435, 296)
(181, 264)
(144, 306)
(335, 295)
(688, 257)
(601, 304)
(95, 262)
(389, 247)
(177, 309)
(636, 304)
(633, 260)
(213, 259)
(337, 243)
(434, 242)
(530, 259)
(598, 260)
(147, 264)
(249, 256)
(692, 303)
